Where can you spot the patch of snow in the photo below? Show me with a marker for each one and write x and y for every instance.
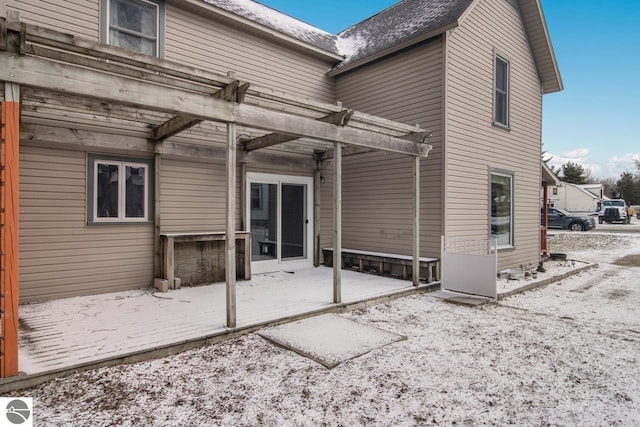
(349, 46)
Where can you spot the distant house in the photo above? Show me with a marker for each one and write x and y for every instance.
(130, 112)
(575, 197)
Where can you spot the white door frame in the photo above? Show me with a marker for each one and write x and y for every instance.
(277, 264)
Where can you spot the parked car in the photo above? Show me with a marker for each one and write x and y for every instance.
(561, 219)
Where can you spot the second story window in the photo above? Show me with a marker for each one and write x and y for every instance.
(501, 96)
(134, 25)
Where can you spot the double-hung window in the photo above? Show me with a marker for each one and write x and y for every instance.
(502, 208)
(135, 25)
(501, 92)
(119, 190)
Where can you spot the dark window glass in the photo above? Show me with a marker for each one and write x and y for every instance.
(107, 191)
(135, 192)
(501, 101)
(501, 209)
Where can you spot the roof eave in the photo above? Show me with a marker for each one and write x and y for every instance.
(393, 49)
(534, 19)
(263, 29)
(548, 176)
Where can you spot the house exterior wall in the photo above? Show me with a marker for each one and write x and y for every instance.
(444, 86)
(378, 187)
(60, 256)
(196, 40)
(474, 146)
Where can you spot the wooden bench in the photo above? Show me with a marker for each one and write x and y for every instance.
(384, 263)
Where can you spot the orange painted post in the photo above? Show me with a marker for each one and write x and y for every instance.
(9, 203)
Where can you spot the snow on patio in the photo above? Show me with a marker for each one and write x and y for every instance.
(565, 354)
(65, 333)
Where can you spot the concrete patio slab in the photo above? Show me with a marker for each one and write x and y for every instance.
(329, 339)
(462, 299)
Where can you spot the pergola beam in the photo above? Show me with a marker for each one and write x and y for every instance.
(75, 50)
(339, 118)
(73, 80)
(416, 137)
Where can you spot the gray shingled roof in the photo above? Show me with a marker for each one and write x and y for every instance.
(399, 23)
(394, 26)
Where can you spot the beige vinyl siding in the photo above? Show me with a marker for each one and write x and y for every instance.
(378, 187)
(193, 196)
(199, 41)
(60, 256)
(377, 203)
(474, 145)
(282, 169)
(78, 17)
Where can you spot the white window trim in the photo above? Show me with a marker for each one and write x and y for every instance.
(499, 57)
(158, 5)
(122, 193)
(511, 176)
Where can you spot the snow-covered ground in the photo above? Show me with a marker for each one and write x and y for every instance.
(565, 354)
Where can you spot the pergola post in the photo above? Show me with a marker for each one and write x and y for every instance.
(157, 259)
(337, 222)
(317, 180)
(9, 236)
(545, 219)
(230, 240)
(416, 221)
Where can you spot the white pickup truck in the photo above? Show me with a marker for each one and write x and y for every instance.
(613, 210)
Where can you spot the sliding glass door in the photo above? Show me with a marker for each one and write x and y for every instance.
(279, 212)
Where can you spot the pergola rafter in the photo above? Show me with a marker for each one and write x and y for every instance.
(234, 91)
(338, 118)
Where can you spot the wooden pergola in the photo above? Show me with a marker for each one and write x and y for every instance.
(39, 65)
